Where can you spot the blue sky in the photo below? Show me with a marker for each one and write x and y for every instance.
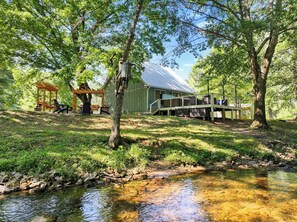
(185, 62)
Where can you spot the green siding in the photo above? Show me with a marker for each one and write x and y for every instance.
(135, 99)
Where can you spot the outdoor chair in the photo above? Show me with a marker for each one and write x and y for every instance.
(60, 108)
(104, 109)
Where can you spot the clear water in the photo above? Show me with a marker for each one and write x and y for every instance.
(216, 196)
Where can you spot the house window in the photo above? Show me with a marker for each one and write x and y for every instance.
(159, 93)
(176, 94)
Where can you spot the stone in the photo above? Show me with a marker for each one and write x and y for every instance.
(4, 179)
(18, 176)
(58, 186)
(243, 167)
(5, 190)
(12, 184)
(24, 186)
(24, 180)
(44, 219)
(79, 182)
(140, 177)
(33, 185)
(43, 186)
(59, 178)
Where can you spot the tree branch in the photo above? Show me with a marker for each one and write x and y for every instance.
(262, 44)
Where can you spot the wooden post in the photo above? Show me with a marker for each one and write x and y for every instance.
(223, 114)
(74, 103)
(183, 102)
(102, 99)
(231, 114)
(212, 107)
(212, 113)
(43, 103)
(50, 100)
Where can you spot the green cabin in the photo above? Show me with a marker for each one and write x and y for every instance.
(156, 82)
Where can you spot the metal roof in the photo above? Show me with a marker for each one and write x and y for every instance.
(164, 78)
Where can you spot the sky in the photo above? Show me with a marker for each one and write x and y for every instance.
(185, 62)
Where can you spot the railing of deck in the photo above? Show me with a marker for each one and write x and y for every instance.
(213, 99)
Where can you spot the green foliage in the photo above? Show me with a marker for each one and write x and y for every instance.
(118, 159)
(225, 68)
(134, 156)
(7, 94)
(253, 28)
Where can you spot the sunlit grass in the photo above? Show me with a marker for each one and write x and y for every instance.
(36, 142)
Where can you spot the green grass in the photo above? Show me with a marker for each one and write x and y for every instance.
(35, 143)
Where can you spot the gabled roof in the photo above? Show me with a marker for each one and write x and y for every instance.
(164, 78)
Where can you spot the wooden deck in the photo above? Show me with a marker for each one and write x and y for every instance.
(194, 106)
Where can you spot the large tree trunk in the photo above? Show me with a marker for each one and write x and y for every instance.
(260, 73)
(259, 104)
(115, 136)
(260, 80)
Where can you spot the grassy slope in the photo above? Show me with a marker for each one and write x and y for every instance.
(35, 143)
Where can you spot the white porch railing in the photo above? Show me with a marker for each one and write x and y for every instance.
(195, 100)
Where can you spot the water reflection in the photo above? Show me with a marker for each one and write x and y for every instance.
(216, 196)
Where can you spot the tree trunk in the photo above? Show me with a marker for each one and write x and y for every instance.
(260, 83)
(115, 136)
(260, 73)
(85, 98)
(259, 105)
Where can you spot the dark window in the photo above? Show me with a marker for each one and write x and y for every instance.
(159, 93)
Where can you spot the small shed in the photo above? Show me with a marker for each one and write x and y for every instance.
(46, 91)
(156, 82)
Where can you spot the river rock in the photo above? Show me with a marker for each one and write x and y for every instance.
(4, 178)
(140, 177)
(59, 178)
(24, 186)
(43, 186)
(12, 184)
(79, 182)
(44, 219)
(5, 190)
(18, 176)
(243, 167)
(33, 185)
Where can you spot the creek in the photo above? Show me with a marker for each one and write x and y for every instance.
(243, 195)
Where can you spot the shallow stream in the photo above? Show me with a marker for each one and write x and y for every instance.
(215, 196)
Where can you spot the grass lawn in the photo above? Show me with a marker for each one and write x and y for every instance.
(36, 142)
